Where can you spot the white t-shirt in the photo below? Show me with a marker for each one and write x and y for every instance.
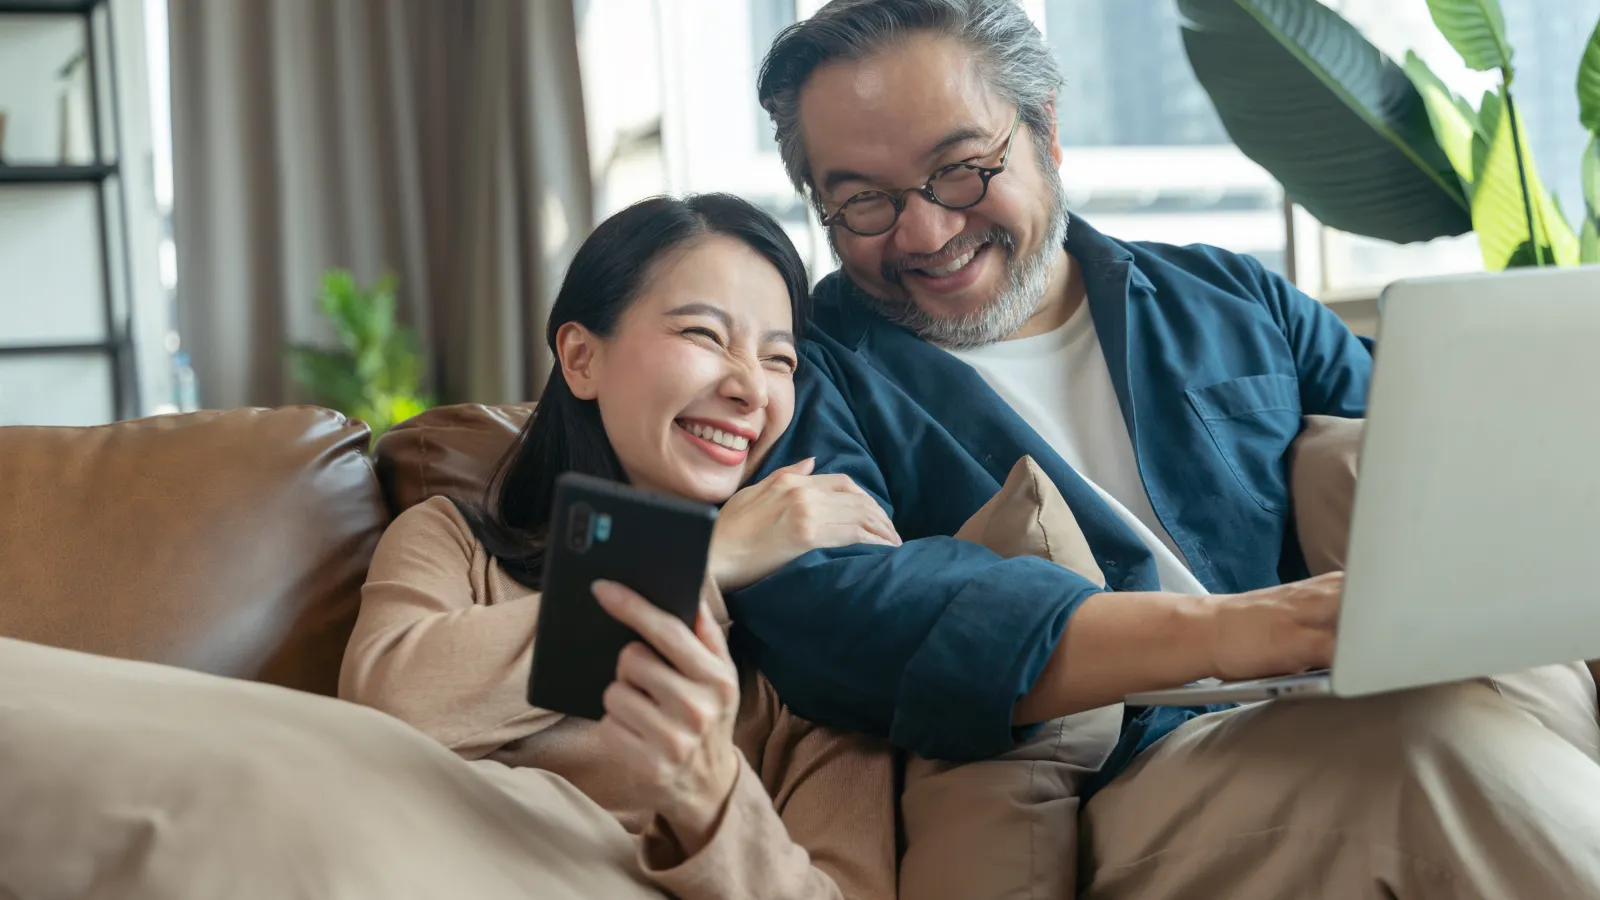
(1060, 384)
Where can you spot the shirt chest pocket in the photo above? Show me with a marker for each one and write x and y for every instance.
(1252, 421)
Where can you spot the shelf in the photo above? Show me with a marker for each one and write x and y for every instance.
(55, 174)
(47, 7)
(59, 349)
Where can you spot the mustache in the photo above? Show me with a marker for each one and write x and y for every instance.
(893, 270)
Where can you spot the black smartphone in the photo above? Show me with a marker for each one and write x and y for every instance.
(654, 544)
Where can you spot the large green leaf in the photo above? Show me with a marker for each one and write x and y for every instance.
(1591, 175)
(1498, 212)
(1589, 243)
(1589, 83)
(1454, 122)
(1477, 29)
(1302, 93)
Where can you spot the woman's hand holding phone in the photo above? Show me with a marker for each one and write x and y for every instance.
(787, 514)
(670, 713)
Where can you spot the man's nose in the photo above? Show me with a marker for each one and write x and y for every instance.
(926, 227)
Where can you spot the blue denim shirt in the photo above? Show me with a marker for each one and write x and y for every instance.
(931, 644)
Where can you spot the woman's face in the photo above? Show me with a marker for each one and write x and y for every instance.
(697, 380)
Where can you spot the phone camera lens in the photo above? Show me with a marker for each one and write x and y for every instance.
(579, 525)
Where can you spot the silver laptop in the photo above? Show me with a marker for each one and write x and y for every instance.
(1475, 537)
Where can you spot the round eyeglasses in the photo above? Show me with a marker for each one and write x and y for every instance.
(956, 186)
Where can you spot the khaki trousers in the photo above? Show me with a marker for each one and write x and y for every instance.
(1489, 789)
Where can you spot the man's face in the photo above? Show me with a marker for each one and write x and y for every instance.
(960, 278)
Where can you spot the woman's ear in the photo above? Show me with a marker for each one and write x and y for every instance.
(578, 352)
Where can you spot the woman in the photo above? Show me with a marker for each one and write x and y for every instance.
(674, 333)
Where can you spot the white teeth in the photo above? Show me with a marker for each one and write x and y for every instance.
(715, 435)
(955, 265)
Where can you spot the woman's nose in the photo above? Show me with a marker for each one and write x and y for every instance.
(745, 384)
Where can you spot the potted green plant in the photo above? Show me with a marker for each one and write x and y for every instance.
(1386, 150)
(375, 374)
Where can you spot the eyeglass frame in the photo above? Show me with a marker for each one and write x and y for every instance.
(897, 199)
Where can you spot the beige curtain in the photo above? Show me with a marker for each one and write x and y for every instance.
(442, 140)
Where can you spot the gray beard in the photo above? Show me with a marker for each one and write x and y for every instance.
(1026, 281)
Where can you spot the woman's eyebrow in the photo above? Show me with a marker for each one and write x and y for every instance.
(703, 309)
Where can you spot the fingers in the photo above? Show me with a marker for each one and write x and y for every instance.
(803, 467)
(871, 523)
(638, 713)
(879, 526)
(835, 483)
(710, 634)
(661, 630)
(688, 706)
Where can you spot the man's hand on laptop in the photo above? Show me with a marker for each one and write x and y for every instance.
(1122, 643)
(1278, 630)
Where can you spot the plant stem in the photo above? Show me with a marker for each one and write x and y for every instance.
(1522, 173)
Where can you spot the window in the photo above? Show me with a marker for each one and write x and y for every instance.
(1548, 39)
(1145, 156)
(671, 90)
(667, 113)
(767, 18)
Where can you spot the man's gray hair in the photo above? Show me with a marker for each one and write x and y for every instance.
(1011, 54)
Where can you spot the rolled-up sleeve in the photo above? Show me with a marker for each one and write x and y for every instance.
(931, 643)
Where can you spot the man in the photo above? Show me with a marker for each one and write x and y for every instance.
(975, 321)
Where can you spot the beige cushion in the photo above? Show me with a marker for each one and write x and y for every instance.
(1322, 481)
(135, 781)
(1008, 827)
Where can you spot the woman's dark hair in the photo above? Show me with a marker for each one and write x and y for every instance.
(565, 434)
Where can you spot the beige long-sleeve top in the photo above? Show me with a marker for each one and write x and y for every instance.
(444, 641)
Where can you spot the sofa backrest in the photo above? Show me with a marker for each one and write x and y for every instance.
(449, 451)
(228, 542)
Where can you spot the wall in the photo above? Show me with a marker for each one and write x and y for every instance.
(50, 286)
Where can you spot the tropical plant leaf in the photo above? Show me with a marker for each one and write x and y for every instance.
(1589, 84)
(1497, 209)
(1589, 242)
(1340, 125)
(1591, 175)
(1477, 30)
(1455, 124)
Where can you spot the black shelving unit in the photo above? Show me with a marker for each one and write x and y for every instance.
(103, 176)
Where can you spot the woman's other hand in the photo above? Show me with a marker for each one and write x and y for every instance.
(669, 715)
(787, 514)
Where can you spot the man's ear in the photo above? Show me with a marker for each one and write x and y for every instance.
(578, 352)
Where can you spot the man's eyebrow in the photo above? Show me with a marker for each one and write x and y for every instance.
(781, 337)
(957, 136)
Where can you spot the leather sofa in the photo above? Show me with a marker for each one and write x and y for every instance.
(233, 543)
